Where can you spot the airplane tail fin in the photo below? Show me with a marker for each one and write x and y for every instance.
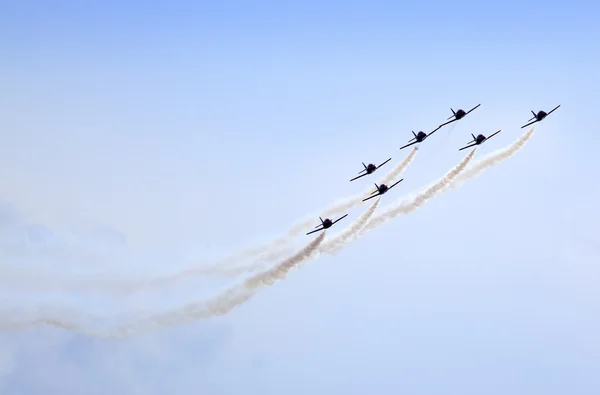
(534, 116)
(453, 114)
(363, 170)
(474, 138)
(320, 223)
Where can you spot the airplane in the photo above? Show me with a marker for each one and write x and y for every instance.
(418, 138)
(539, 116)
(458, 114)
(478, 140)
(381, 189)
(369, 169)
(326, 224)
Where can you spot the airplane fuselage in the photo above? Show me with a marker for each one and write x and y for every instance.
(541, 115)
(383, 189)
(460, 114)
(421, 136)
(371, 168)
(327, 223)
(480, 139)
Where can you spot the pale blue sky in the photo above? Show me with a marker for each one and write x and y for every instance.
(160, 133)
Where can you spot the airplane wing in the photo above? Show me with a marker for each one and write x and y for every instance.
(468, 146)
(384, 163)
(490, 136)
(357, 177)
(313, 231)
(408, 145)
(554, 109)
(473, 108)
(446, 123)
(530, 123)
(370, 197)
(398, 182)
(340, 218)
(434, 130)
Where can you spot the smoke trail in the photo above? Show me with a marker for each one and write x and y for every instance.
(344, 205)
(220, 305)
(332, 247)
(335, 245)
(252, 252)
(223, 270)
(226, 268)
(410, 205)
(400, 167)
(36, 319)
(493, 159)
(280, 271)
(225, 302)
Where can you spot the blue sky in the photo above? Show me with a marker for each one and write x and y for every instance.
(158, 134)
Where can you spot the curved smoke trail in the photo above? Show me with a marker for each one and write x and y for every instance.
(219, 305)
(270, 250)
(493, 159)
(226, 301)
(410, 205)
(227, 268)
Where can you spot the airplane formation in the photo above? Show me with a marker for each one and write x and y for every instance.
(418, 138)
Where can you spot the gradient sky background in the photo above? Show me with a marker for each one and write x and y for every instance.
(168, 131)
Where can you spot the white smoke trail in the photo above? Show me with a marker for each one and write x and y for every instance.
(400, 167)
(223, 303)
(335, 245)
(409, 205)
(226, 268)
(493, 159)
(273, 250)
(346, 204)
(332, 247)
(280, 271)
(40, 317)
(220, 305)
